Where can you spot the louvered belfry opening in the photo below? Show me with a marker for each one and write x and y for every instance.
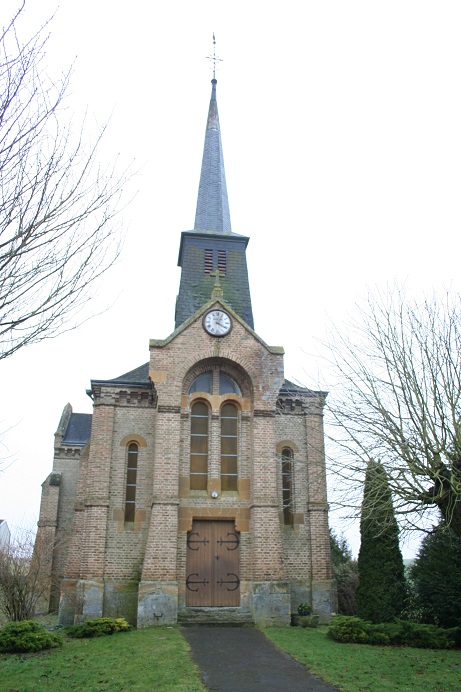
(208, 261)
(222, 261)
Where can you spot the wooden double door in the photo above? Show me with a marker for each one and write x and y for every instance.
(212, 566)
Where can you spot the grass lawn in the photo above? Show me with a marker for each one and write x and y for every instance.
(148, 659)
(355, 667)
(158, 659)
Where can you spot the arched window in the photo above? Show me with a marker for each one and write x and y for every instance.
(199, 446)
(131, 473)
(202, 383)
(287, 486)
(229, 446)
(227, 385)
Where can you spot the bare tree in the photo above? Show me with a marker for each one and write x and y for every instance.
(57, 206)
(397, 399)
(24, 575)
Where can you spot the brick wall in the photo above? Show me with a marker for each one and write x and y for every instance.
(153, 547)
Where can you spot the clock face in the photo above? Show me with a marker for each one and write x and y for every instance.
(217, 323)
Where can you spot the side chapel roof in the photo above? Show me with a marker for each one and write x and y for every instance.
(78, 429)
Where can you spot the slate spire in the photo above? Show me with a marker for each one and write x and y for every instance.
(212, 213)
(212, 246)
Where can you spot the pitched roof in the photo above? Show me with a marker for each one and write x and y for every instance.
(78, 430)
(139, 375)
(212, 214)
(292, 389)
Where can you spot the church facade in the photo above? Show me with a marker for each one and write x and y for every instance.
(196, 491)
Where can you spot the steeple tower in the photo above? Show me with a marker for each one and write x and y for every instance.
(212, 213)
(212, 245)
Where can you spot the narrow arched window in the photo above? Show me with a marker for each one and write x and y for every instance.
(199, 446)
(287, 486)
(131, 473)
(229, 446)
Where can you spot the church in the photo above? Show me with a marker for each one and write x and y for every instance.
(196, 491)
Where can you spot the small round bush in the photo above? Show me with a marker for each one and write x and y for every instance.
(97, 627)
(349, 630)
(27, 636)
(304, 609)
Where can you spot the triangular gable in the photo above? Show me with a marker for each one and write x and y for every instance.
(214, 303)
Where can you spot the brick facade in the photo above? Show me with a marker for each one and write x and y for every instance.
(123, 529)
(138, 569)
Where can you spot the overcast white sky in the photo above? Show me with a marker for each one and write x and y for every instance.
(342, 144)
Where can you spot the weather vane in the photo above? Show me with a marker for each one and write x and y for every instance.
(213, 57)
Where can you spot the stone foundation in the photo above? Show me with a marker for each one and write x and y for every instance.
(90, 599)
(157, 603)
(68, 601)
(270, 603)
(301, 592)
(324, 599)
(121, 601)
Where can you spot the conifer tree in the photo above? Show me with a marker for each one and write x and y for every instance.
(381, 590)
(345, 574)
(436, 575)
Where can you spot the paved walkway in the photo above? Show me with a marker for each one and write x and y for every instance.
(237, 659)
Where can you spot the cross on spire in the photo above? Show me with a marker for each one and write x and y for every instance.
(213, 57)
(212, 213)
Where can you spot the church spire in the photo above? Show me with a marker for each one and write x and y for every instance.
(212, 213)
(212, 246)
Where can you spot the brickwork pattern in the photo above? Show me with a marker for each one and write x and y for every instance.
(107, 556)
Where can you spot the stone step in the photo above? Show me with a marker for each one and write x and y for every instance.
(215, 616)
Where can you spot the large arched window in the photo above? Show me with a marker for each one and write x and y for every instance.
(131, 473)
(199, 446)
(287, 486)
(229, 446)
(217, 392)
(204, 383)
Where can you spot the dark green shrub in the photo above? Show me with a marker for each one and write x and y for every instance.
(418, 635)
(455, 634)
(304, 609)
(377, 635)
(349, 630)
(397, 633)
(98, 627)
(426, 636)
(27, 636)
